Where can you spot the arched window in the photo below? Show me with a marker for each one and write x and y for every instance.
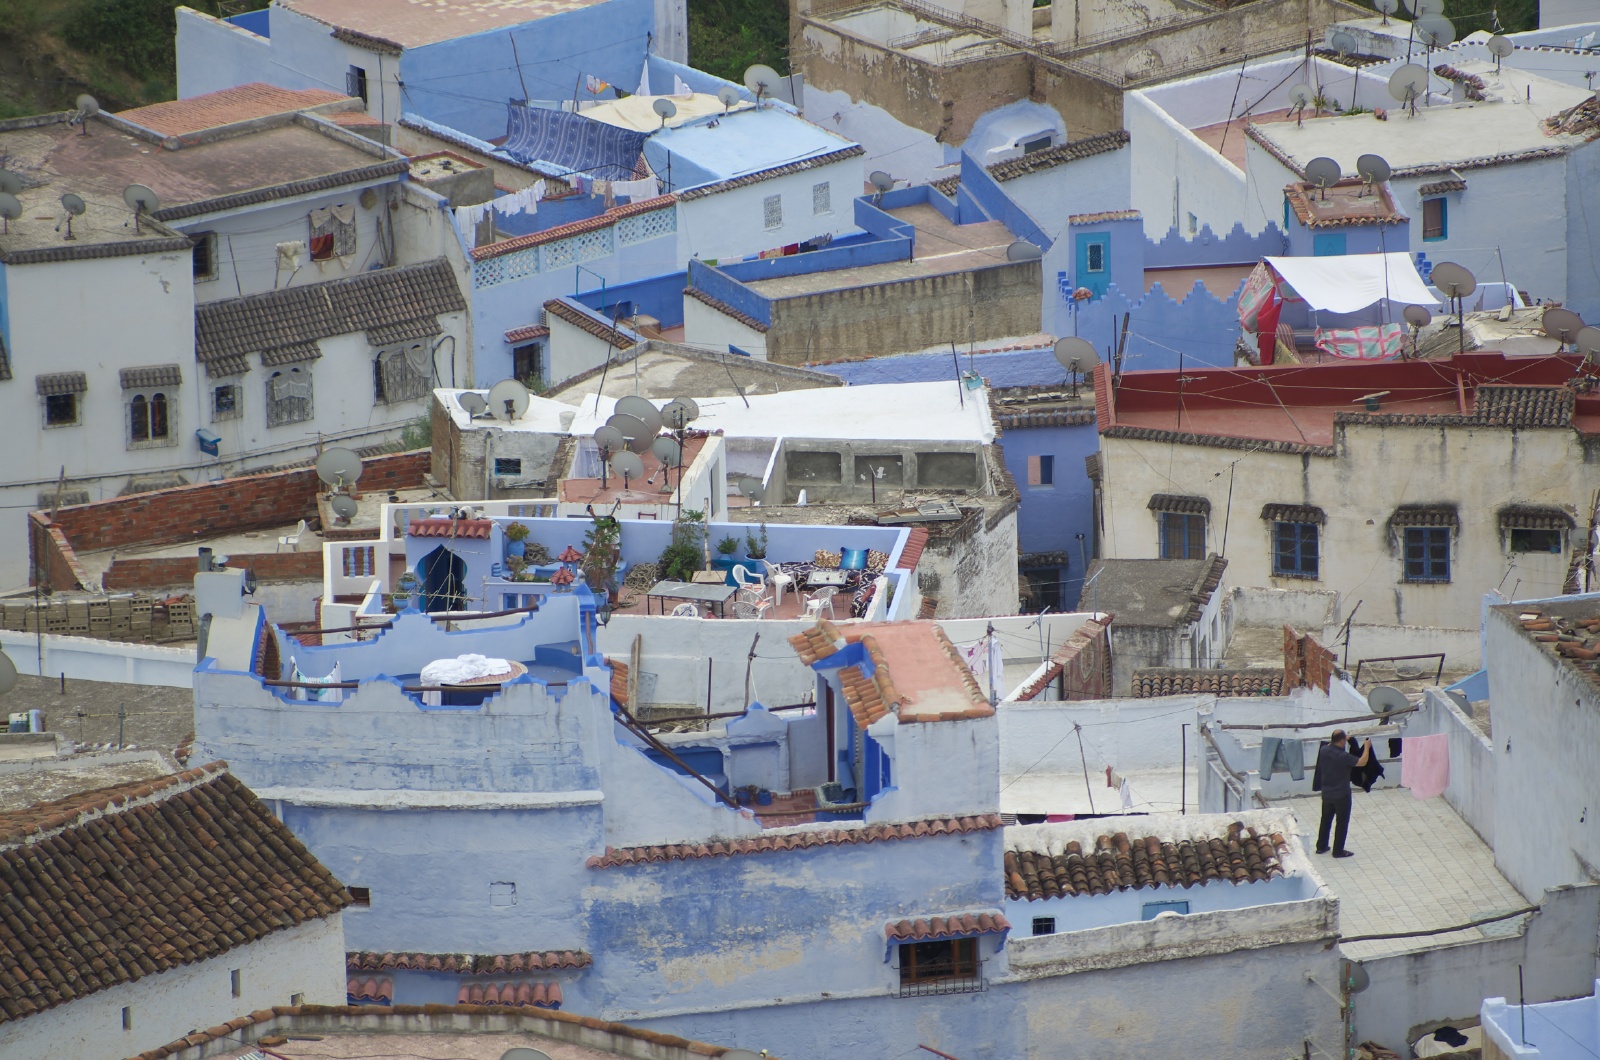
(158, 416)
(139, 413)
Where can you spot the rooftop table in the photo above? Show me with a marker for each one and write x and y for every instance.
(716, 596)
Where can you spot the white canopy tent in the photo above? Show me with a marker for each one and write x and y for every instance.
(1350, 282)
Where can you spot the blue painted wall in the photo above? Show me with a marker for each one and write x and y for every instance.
(258, 22)
(1238, 247)
(716, 282)
(1058, 518)
(978, 185)
(1035, 366)
(1163, 332)
(658, 296)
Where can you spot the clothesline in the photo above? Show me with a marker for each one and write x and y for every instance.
(1318, 724)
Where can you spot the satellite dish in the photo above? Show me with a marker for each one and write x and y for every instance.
(610, 440)
(338, 467)
(679, 413)
(1417, 316)
(1386, 8)
(1587, 340)
(1421, 9)
(1386, 699)
(1343, 42)
(473, 404)
(760, 80)
(667, 450)
(1453, 280)
(1499, 46)
(752, 488)
(1356, 979)
(1459, 699)
(8, 673)
(73, 204)
(10, 210)
(1075, 354)
(1561, 324)
(344, 506)
(1435, 31)
(727, 95)
(508, 400)
(1408, 83)
(141, 200)
(642, 410)
(1022, 250)
(628, 465)
(1374, 169)
(1323, 173)
(1300, 96)
(880, 180)
(88, 106)
(631, 427)
(523, 1052)
(10, 183)
(664, 109)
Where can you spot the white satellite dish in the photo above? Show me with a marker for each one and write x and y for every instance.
(609, 440)
(1560, 324)
(1435, 31)
(10, 210)
(752, 488)
(641, 409)
(1075, 354)
(1022, 250)
(142, 201)
(508, 400)
(10, 183)
(1421, 9)
(339, 467)
(1499, 47)
(880, 181)
(727, 95)
(628, 465)
(679, 413)
(1587, 342)
(667, 450)
(1300, 95)
(1408, 84)
(473, 404)
(1418, 316)
(1386, 8)
(1386, 699)
(1343, 42)
(8, 674)
(1373, 169)
(88, 107)
(664, 109)
(637, 437)
(74, 205)
(344, 506)
(1355, 977)
(761, 81)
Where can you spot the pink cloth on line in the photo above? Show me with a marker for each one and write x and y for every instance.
(1055, 818)
(1425, 765)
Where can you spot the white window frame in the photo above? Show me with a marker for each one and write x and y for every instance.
(772, 211)
(169, 399)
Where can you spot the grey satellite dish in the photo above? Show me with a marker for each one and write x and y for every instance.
(664, 109)
(523, 1052)
(1417, 316)
(1386, 8)
(727, 95)
(1421, 9)
(141, 200)
(1300, 96)
(73, 204)
(631, 426)
(88, 106)
(8, 674)
(880, 180)
(667, 450)
(1386, 699)
(472, 404)
(1587, 341)
(641, 409)
(10, 210)
(344, 506)
(1323, 173)
(338, 467)
(1460, 700)
(1453, 280)
(508, 400)
(1560, 324)
(1356, 979)
(610, 440)
(761, 81)
(679, 413)
(628, 465)
(1342, 42)
(1435, 31)
(752, 488)
(1075, 354)
(1408, 84)
(1022, 250)
(1499, 47)
(1374, 169)
(10, 183)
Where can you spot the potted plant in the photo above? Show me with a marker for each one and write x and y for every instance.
(602, 552)
(756, 547)
(725, 557)
(681, 558)
(516, 539)
(518, 566)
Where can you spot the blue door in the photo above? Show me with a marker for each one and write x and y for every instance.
(1094, 262)
(1327, 244)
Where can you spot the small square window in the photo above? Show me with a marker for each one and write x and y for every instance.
(60, 410)
(1523, 540)
(1152, 910)
(297, 1000)
(1427, 557)
(235, 983)
(1044, 925)
(361, 896)
(1183, 536)
(947, 959)
(502, 894)
(225, 402)
(772, 211)
(1294, 550)
(205, 256)
(822, 198)
(527, 363)
(508, 465)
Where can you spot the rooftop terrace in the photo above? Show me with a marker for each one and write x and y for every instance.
(411, 24)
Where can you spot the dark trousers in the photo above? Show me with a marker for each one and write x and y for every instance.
(1334, 809)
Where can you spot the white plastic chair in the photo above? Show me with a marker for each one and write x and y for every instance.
(293, 540)
(744, 609)
(746, 579)
(777, 579)
(685, 610)
(822, 598)
(756, 600)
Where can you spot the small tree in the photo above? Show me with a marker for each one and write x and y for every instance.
(682, 556)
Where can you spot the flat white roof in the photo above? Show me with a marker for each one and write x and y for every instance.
(882, 411)
(1509, 123)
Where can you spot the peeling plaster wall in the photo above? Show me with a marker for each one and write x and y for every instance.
(972, 568)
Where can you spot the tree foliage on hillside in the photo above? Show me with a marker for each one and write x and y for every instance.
(726, 36)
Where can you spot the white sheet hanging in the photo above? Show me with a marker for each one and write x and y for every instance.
(1348, 282)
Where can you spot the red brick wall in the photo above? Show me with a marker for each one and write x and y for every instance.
(1086, 669)
(49, 552)
(1306, 663)
(162, 572)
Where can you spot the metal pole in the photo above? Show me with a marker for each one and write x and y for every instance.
(1184, 781)
(1522, 1005)
(708, 684)
(122, 714)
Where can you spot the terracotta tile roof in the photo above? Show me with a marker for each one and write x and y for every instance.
(474, 528)
(153, 375)
(523, 994)
(915, 544)
(296, 315)
(1044, 418)
(1535, 517)
(1343, 204)
(294, 353)
(1171, 681)
(1061, 154)
(389, 167)
(1118, 863)
(528, 333)
(574, 228)
(818, 642)
(368, 991)
(55, 383)
(947, 186)
(403, 331)
(109, 886)
(1209, 580)
(354, 119)
(726, 310)
(853, 151)
(1106, 215)
(1425, 515)
(1174, 502)
(1219, 441)
(1493, 406)
(367, 41)
(980, 707)
(946, 927)
(768, 843)
(240, 103)
(467, 963)
(618, 336)
(1294, 513)
(1439, 187)
(869, 698)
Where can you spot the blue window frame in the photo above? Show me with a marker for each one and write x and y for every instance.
(1154, 909)
(1427, 553)
(1294, 550)
(1183, 536)
(1435, 220)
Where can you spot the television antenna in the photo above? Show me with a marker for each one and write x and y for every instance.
(508, 400)
(642, 410)
(74, 205)
(727, 95)
(1022, 250)
(472, 403)
(1300, 98)
(338, 468)
(1456, 282)
(1419, 317)
(1386, 699)
(1343, 42)
(1075, 355)
(1562, 324)
(141, 200)
(664, 109)
(760, 80)
(608, 440)
(344, 506)
(1373, 169)
(88, 107)
(1499, 46)
(1323, 173)
(1408, 83)
(10, 210)
(628, 465)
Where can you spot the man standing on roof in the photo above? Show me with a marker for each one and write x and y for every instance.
(1334, 764)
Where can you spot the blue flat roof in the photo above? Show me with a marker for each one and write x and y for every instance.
(740, 143)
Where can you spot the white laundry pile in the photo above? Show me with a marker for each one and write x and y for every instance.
(463, 668)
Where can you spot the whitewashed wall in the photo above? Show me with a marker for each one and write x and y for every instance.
(88, 659)
(902, 151)
(731, 223)
(709, 329)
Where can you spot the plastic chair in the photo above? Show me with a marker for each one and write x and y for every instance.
(777, 579)
(743, 609)
(756, 600)
(293, 540)
(746, 579)
(822, 598)
(685, 610)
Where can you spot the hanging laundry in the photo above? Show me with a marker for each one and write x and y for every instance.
(1425, 765)
(1364, 777)
(594, 84)
(644, 78)
(1280, 754)
(1127, 795)
(636, 190)
(680, 87)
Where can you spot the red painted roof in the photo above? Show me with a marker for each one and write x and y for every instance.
(475, 528)
(241, 103)
(723, 848)
(944, 927)
(913, 550)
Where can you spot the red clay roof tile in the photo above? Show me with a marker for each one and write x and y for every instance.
(913, 550)
(528, 333)
(468, 963)
(179, 117)
(944, 927)
(795, 841)
(1118, 863)
(474, 528)
(574, 228)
